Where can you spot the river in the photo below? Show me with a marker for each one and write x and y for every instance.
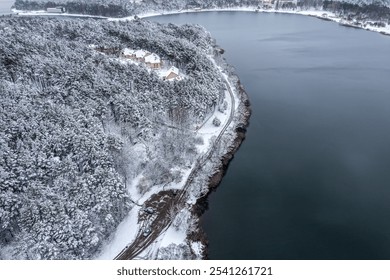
(5, 6)
(312, 179)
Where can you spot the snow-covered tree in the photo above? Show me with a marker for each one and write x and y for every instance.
(77, 126)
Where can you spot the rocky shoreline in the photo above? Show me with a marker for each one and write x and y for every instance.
(215, 179)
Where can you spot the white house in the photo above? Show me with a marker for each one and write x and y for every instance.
(128, 53)
(55, 10)
(172, 73)
(153, 61)
(140, 55)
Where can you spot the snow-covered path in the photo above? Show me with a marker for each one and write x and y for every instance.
(164, 219)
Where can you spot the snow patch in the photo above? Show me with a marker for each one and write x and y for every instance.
(124, 234)
(197, 248)
(176, 234)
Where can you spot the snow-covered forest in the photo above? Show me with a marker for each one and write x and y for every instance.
(78, 124)
(373, 9)
(127, 7)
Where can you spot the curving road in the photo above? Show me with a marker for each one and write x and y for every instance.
(163, 219)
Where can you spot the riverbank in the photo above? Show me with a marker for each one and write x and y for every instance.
(215, 179)
(220, 161)
(320, 14)
(209, 176)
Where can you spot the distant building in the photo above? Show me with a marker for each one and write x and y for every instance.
(56, 10)
(153, 61)
(140, 55)
(172, 73)
(287, 3)
(107, 50)
(128, 53)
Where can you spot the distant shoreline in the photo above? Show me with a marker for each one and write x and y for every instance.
(320, 14)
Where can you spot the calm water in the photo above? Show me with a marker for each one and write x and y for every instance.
(5, 6)
(312, 179)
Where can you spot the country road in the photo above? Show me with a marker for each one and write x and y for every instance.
(163, 219)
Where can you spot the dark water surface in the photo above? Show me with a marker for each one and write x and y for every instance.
(5, 6)
(312, 179)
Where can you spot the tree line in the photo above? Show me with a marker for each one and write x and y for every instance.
(375, 10)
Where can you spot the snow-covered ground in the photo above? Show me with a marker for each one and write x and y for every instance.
(208, 130)
(124, 233)
(176, 234)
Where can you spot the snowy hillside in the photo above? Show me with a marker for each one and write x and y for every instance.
(83, 130)
(367, 2)
(123, 8)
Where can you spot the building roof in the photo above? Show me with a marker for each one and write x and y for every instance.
(153, 58)
(140, 54)
(173, 70)
(127, 51)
